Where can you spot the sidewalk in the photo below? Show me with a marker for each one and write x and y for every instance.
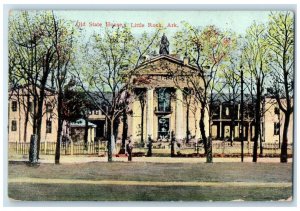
(151, 183)
(87, 159)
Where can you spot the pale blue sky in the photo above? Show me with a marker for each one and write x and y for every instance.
(237, 21)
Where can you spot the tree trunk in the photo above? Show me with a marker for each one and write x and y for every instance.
(257, 120)
(202, 128)
(283, 155)
(59, 130)
(43, 83)
(34, 114)
(187, 122)
(27, 111)
(58, 140)
(110, 143)
(124, 131)
(260, 145)
(39, 122)
(142, 124)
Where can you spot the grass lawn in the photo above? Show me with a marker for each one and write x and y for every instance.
(156, 172)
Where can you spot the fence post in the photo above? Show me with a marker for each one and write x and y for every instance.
(223, 147)
(98, 147)
(45, 147)
(72, 148)
(248, 146)
(17, 148)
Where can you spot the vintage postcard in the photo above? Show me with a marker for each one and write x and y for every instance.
(150, 105)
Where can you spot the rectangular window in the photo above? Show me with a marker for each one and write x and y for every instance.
(14, 106)
(96, 112)
(276, 128)
(164, 100)
(48, 126)
(13, 125)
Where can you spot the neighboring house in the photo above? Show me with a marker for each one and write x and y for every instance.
(21, 105)
(226, 116)
(273, 123)
(98, 119)
(78, 130)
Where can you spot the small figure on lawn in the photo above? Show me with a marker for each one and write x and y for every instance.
(172, 144)
(149, 153)
(129, 148)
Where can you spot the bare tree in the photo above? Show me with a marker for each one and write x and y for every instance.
(230, 77)
(141, 95)
(63, 39)
(33, 53)
(255, 56)
(113, 56)
(209, 48)
(281, 42)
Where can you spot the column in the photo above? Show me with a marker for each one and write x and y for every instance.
(89, 135)
(93, 135)
(179, 125)
(150, 113)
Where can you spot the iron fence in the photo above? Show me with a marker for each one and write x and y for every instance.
(97, 148)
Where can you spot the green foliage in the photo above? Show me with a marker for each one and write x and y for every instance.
(36, 40)
(210, 50)
(255, 55)
(281, 56)
(108, 61)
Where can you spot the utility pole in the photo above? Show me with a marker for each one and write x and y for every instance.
(242, 116)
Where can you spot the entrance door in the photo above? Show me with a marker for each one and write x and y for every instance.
(163, 128)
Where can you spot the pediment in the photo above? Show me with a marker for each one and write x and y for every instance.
(164, 65)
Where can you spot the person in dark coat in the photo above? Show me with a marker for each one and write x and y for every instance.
(149, 152)
(129, 148)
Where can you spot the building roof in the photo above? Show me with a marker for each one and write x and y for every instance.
(81, 123)
(23, 86)
(171, 58)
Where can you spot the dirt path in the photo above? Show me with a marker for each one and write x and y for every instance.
(149, 183)
(87, 159)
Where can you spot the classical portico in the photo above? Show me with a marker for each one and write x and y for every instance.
(165, 105)
(163, 113)
(161, 107)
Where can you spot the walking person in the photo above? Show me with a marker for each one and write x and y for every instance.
(173, 144)
(149, 152)
(129, 148)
